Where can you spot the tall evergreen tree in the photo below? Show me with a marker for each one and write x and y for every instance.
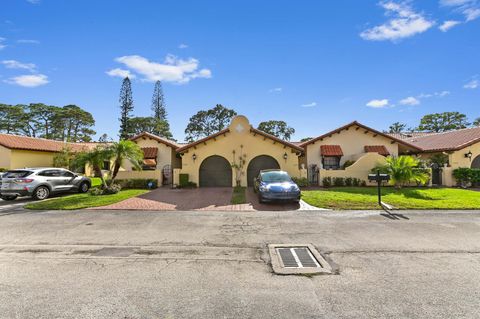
(158, 102)
(126, 107)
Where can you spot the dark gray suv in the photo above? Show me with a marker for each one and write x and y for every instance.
(40, 183)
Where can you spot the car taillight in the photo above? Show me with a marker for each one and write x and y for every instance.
(23, 180)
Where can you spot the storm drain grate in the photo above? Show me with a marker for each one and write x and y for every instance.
(297, 259)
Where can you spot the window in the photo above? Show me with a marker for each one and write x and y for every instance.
(16, 174)
(106, 165)
(68, 174)
(331, 162)
(51, 173)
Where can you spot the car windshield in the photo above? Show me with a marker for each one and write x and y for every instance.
(16, 174)
(275, 177)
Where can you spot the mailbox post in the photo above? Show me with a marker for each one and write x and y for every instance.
(379, 178)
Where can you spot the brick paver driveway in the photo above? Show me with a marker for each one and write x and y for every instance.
(209, 198)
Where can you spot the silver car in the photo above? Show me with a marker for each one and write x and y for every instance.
(40, 183)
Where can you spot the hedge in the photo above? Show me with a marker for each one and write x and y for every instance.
(137, 183)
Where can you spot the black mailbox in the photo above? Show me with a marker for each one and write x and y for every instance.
(378, 177)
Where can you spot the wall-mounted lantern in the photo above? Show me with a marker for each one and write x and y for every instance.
(285, 156)
(194, 157)
(469, 155)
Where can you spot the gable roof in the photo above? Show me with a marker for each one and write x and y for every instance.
(447, 141)
(252, 130)
(202, 140)
(18, 142)
(355, 123)
(162, 140)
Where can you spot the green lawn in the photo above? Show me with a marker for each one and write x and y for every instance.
(78, 201)
(238, 196)
(406, 198)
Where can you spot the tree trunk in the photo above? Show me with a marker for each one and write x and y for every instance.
(98, 172)
(116, 168)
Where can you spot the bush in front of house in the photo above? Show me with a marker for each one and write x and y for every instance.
(348, 163)
(466, 177)
(300, 181)
(327, 181)
(107, 190)
(137, 183)
(338, 181)
(183, 180)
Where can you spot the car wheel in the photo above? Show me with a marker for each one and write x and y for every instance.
(13, 197)
(83, 188)
(41, 193)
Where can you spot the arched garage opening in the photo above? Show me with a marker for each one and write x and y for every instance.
(215, 171)
(259, 163)
(476, 162)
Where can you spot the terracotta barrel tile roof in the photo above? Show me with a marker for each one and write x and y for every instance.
(18, 142)
(380, 149)
(447, 141)
(150, 152)
(331, 150)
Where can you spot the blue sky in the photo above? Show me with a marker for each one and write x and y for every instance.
(315, 64)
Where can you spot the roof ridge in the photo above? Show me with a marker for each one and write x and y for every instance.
(451, 131)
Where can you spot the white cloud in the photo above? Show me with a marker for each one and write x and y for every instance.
(311, 104)
(473, 84)
(471, 14)
(12, 64)
(2, 46)
(183, 46)
(434, 94)
(405, 22)
(33, 1)
(275, 90)
(121, 73)
(409, 101)
(173, 69)
(469, 8)
(378, 103)
(28, 41)
(447, 25)
(31, 81)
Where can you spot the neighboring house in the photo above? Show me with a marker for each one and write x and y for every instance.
(461, 146)
(159, 159)
(22, 151)
(356, 145)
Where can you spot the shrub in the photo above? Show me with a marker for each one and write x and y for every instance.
(109, 190)
(3, 169)
(183, 180)
(466, 176)
(403, 170)
(356, 181)
(348, 163)
(348, 181)
(338, 181)
(137, 183)
(327, 181)
(188, 185)
(363, 183)
(300, 181)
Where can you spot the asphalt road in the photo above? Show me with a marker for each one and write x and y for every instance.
(94, 264)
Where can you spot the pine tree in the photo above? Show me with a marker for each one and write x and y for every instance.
(126, 106)
(158, 102)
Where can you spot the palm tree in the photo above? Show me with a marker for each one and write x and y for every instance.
(403, 170)
(94, 158)
(125, 150)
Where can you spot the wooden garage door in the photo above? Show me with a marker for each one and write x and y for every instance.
(259, 163)
(215, 171)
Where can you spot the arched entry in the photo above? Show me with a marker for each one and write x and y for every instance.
(476, 162)
(215, 171)
(259, 163)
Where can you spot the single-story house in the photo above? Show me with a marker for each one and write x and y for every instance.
(462, 148)
(236, 154)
